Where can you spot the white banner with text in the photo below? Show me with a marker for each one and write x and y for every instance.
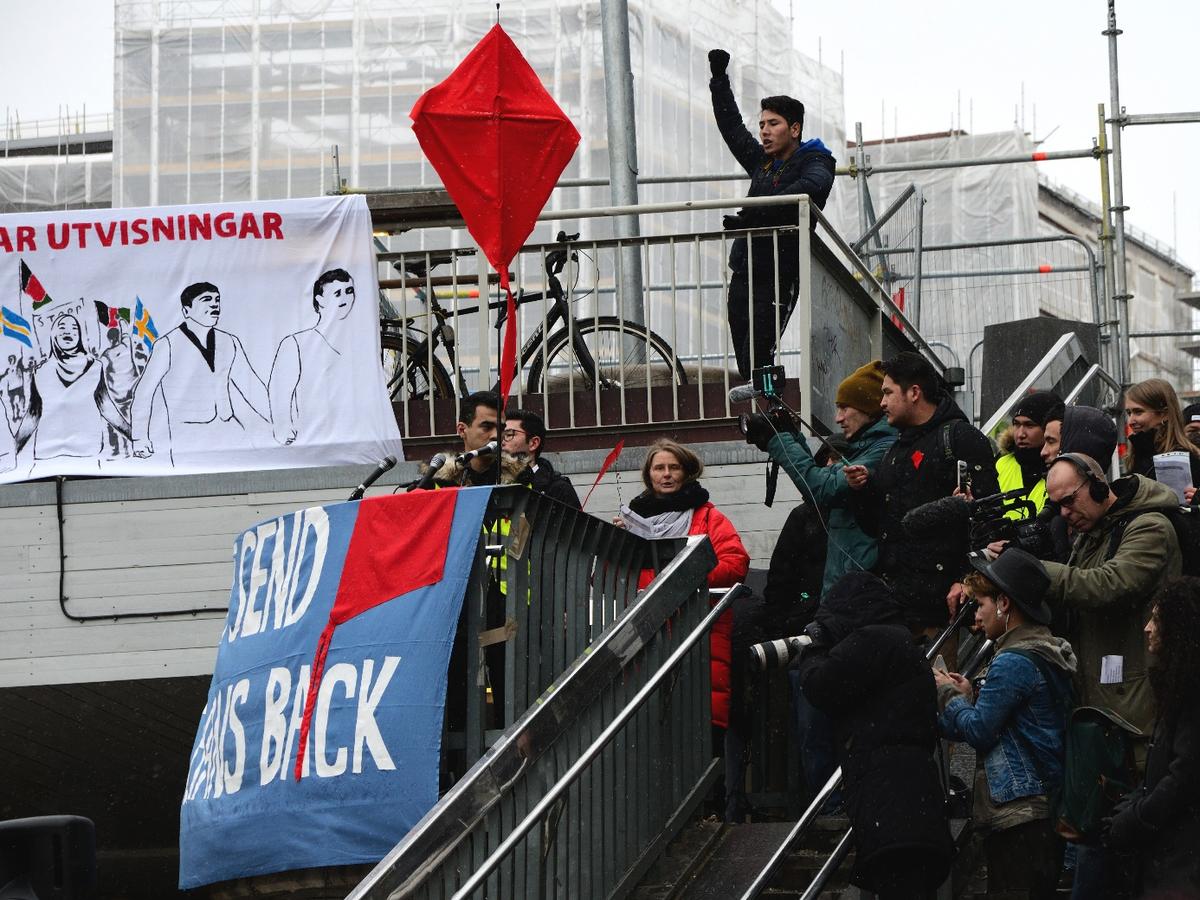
(184, 340)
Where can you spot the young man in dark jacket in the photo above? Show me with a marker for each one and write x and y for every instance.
(778, 166)
(525, 433)
(920, 467)
(864, 670)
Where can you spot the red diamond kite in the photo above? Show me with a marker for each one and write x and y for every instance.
(499, 142)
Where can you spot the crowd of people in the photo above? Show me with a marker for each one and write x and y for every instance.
(1081, 583)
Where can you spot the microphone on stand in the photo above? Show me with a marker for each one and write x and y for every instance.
(744, 393)
(384, 464)
(486, 450)
(425, 482)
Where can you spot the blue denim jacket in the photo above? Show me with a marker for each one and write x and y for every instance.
(1018, 722)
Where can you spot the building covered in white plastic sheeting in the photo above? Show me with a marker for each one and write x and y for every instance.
(992, 274)
(40, 183)
(222, 100)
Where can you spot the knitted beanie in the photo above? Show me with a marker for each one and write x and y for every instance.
(862, 389)
(1040, 406)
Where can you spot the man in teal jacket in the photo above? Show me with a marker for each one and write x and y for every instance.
(862, 422)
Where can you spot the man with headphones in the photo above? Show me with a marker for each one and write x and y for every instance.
(1125, 547)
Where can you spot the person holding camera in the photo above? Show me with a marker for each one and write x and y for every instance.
(922, 466)
(778, 166)
(869, 435)
(865, 672)
(1017, 724)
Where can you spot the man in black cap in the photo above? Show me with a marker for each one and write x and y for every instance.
(1019, 722)
(1022, 468)
(778, 164)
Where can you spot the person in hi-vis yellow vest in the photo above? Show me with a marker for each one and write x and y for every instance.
(1022, 468)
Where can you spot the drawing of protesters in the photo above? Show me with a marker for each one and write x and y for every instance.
(69, 410)
(120, 378)
(13, 385)
(306, 362)
(193, 367)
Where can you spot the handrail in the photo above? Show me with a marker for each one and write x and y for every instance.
(829, 867)
(835, 780)
(1027, 382)
(1095, 371)
(466, 804)
(572, 774)
(882, 300)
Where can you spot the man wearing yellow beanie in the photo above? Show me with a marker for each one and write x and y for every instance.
(861, 420)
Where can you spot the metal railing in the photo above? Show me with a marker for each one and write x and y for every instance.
(600, 366)
(1062, 369)
(582, 791)
(566, 577)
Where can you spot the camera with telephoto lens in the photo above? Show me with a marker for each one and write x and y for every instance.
(779, 654)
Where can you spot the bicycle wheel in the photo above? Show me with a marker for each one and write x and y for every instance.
(406, 372)
(625, 353)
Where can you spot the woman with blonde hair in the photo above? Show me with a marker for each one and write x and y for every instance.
(1156, 426)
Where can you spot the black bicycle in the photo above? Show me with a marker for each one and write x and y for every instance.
(578, 353)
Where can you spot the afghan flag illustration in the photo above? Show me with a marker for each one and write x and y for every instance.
(32, 288)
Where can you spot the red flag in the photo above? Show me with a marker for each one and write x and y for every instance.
(498, 141)
(604, 467)
(398, 546)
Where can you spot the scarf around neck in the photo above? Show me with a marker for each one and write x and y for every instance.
(654, 517)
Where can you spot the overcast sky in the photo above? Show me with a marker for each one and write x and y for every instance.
(906, 66)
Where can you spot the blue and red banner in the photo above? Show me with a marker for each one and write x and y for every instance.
(320, 741)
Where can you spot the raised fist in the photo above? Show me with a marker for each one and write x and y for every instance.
(718, 61)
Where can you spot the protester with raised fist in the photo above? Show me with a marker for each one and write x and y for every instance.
(778, 164)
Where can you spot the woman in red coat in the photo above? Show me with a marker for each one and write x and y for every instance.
(675, 505)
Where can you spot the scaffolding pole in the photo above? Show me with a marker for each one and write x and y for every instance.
(622, 148)
(1179, 118)
(1122, 295)
(853, 171)
(1111, 353)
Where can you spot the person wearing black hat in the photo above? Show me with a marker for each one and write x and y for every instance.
(1022, 468)
(1017, 723)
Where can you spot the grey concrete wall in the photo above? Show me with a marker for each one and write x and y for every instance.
(165, 544)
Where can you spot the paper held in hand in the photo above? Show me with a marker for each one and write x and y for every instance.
(1174, 469)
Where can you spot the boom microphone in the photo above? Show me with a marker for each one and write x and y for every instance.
(425, 482)
(937, 517)
(486, 450)
(384, 464)
(744, 393)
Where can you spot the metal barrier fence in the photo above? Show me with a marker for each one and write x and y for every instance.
(548, 580)
(580, 794)
(901, 226)
(593, 356)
